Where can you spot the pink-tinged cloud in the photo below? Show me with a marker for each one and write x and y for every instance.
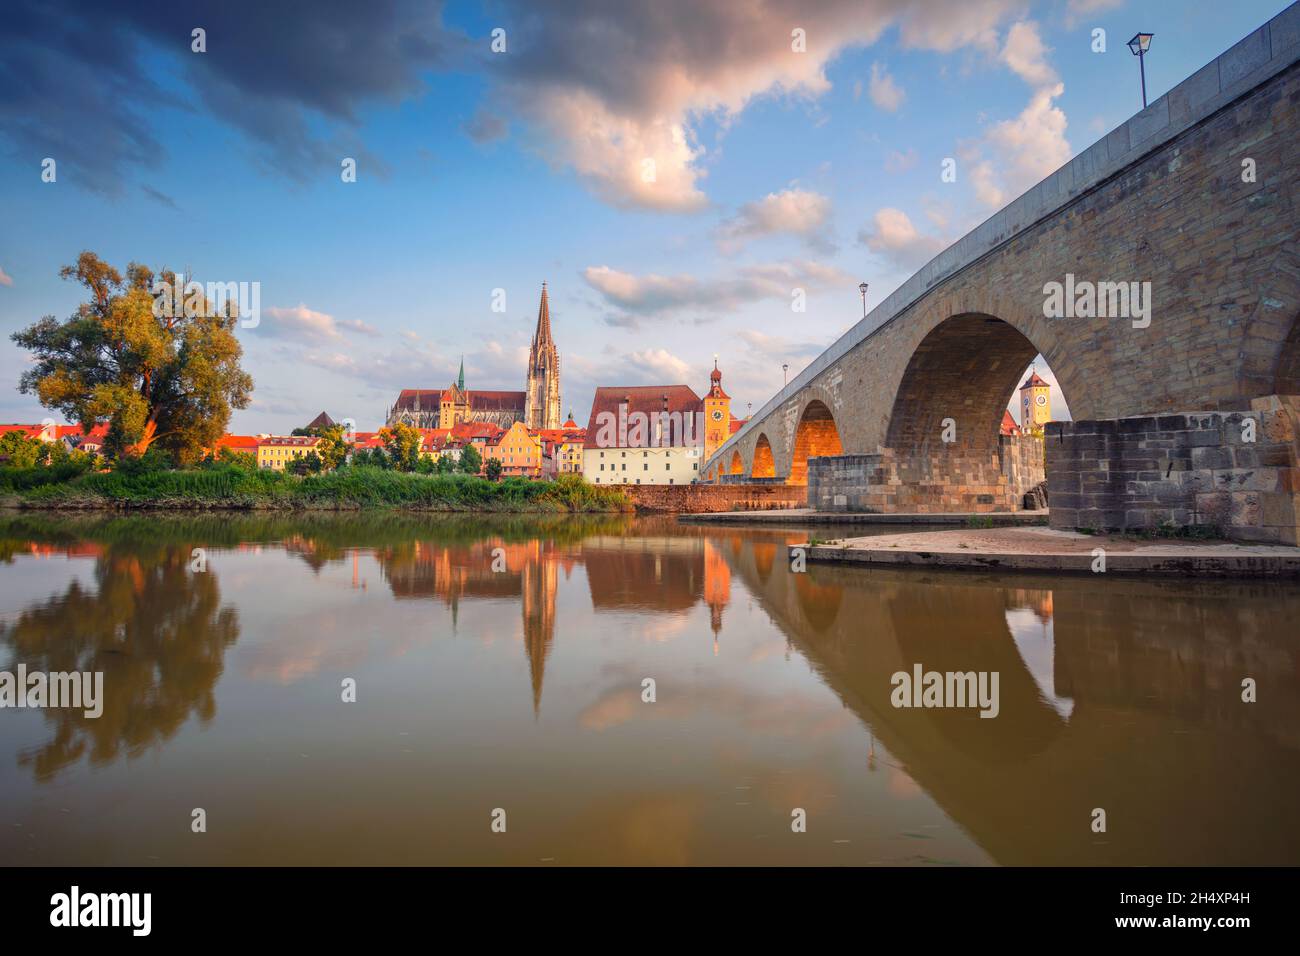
(617, 92)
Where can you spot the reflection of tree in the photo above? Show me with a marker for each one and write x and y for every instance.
(156, 630)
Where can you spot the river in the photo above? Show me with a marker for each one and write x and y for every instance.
(613, 690)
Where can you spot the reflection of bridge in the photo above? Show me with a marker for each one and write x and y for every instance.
(1157, 734)
(1162, 199)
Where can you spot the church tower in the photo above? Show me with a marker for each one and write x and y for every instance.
(542, 394)
(1035, 403)
(717, 413)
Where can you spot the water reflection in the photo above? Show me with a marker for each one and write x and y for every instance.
(1115, 693)
(157, 631)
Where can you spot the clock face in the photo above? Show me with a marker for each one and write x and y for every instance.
(717, 414)
(1041, 399)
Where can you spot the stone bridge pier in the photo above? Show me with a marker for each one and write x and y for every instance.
(1158, 273)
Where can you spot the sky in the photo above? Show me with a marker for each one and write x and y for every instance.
(673, 170)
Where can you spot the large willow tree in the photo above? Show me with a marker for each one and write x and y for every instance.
(168, 379)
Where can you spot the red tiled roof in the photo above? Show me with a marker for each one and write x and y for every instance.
(737, 424)
(1033, 380)
(238, 442)
(1008, 426)
(649, 399)
(290, 441)
(31, 431)
(482, 400)
(472, 430)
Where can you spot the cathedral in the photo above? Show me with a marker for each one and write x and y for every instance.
(538, 406)
(542, 405)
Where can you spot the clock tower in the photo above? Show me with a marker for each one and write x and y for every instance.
(1035, 403)
(717, 413)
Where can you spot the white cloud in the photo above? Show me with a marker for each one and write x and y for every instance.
(1015, 154)
(1026, 55)
(893, 236)
(5, 279)
(609, 86)
(301, 322)
(652, 295)
(797, 212)
(885, 93)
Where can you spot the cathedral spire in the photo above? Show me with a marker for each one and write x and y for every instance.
(460, 381)
(543, 334)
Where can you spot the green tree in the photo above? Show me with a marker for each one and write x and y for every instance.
(493, 468)
(402, 442)
(21, 451)
(446, 465)
(470, 460)
(156, 371)
(333, 447)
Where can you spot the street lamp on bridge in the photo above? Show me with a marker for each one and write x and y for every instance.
(1140, 43)
(863, 289)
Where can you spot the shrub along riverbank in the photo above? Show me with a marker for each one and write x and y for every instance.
(348, 488)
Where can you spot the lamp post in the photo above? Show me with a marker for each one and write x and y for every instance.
(1140, 43)
(785, 374)
(863, 289)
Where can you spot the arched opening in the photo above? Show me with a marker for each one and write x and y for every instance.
(816, 436)
(954, 444)
(764, 463)
(737, 463)
(1287, 379)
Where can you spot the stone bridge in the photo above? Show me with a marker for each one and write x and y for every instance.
(1193, 199)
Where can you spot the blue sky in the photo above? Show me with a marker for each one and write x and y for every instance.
(480, 171)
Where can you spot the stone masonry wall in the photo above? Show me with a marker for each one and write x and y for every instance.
(705, 498)
(1198, 468)
(938, 484)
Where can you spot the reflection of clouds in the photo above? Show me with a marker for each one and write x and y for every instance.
(323, 641)
(1036, 644)
(782, 715)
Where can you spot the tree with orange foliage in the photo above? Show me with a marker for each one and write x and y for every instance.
(165, 377)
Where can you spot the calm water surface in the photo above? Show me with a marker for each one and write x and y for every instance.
(521, 689)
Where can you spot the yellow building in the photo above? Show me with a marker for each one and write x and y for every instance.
(717, 413)
(1035, 403)
(518, 450)
(276, 452)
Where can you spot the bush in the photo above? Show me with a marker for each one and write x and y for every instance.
(351, 486)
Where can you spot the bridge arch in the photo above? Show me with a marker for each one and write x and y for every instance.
(764, 463)
(816, 435)
(943, 433)
(737, 463)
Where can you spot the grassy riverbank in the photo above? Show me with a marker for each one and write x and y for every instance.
(348, 488)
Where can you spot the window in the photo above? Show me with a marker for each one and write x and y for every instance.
(625, 466)
(696, 466)
(668, 467)
(645, 467)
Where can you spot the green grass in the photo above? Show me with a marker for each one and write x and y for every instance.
(347, 488)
